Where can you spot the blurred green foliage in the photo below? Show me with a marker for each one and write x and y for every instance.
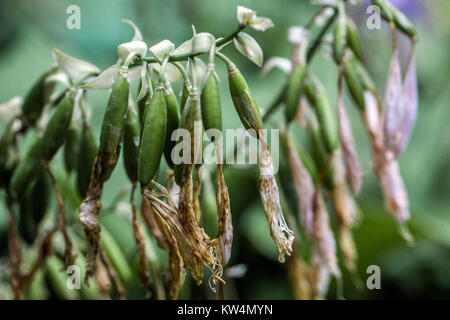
(31, 29)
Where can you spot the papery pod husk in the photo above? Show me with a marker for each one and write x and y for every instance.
(225, 235)
(323, 238)
(27, 168)
(304, 188)
(173, 121)
(116, 257)
(326, 115)
(175, 272)
(112, 126)
(294, 91)
(187, 87)
(210, 102)
(150, 220)
(56, 129)
(322, 158)
(131, 136)
(298, 277)
(57, 278)
(72, 149)
(34, 101)
(86, 158)
(353, 40)
(270, 198)
(193, 242)
(243, 100)
(153, 136)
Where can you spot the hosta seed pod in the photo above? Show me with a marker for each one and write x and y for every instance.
(116, 257)
(57, 128)
(57, 279)
(27, 168)
(72, 149)
(191, 115)
(153, 136)
(325, 113)
(112, 125)
(386, 10)
(322, 158)
(33, 205)
(34, 101)
(210, 102)
(294, 91)
(173, 121)
(187, 87)
(340, 34)
(86, 157)
(353, 40)
(243, 101)
(354, 85)
(131, 135)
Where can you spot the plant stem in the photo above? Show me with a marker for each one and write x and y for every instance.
(190, 54)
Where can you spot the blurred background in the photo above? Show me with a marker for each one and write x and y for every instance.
(29, 30)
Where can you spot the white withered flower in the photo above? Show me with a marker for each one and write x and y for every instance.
(248, 17)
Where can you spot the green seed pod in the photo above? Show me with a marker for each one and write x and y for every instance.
(191, 115)
(403, 23)
(210, 101)
(294, 91)
(340, 34)
(353, 40)
(173, 121)
(321, 158)
(34, 101)
(86, 158)
(131, 137)
(386, 10)
(57, 128)
(141, 103)
(116, 257)
(354, 85)
(37, 289)
(6, 165)
(243, 101)
(57, 279)
(112, 126)
(26, 169)
(72, 149)
(33, 205)
(363, 75)
(153, 136)
(325, 113)
(187, 87)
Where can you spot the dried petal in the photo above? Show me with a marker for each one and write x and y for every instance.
(137, 33)
(323, 239)
(353, 170)
(282, 63)
(202, 42)
(10, 109)
(247, 17)
(304, 188)
(150, 221)
(409, 104)
(268, 190)
(76, 69)
(161, 49)
(225, 236)
(138, 48)
(248, 47)
(393, 113)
